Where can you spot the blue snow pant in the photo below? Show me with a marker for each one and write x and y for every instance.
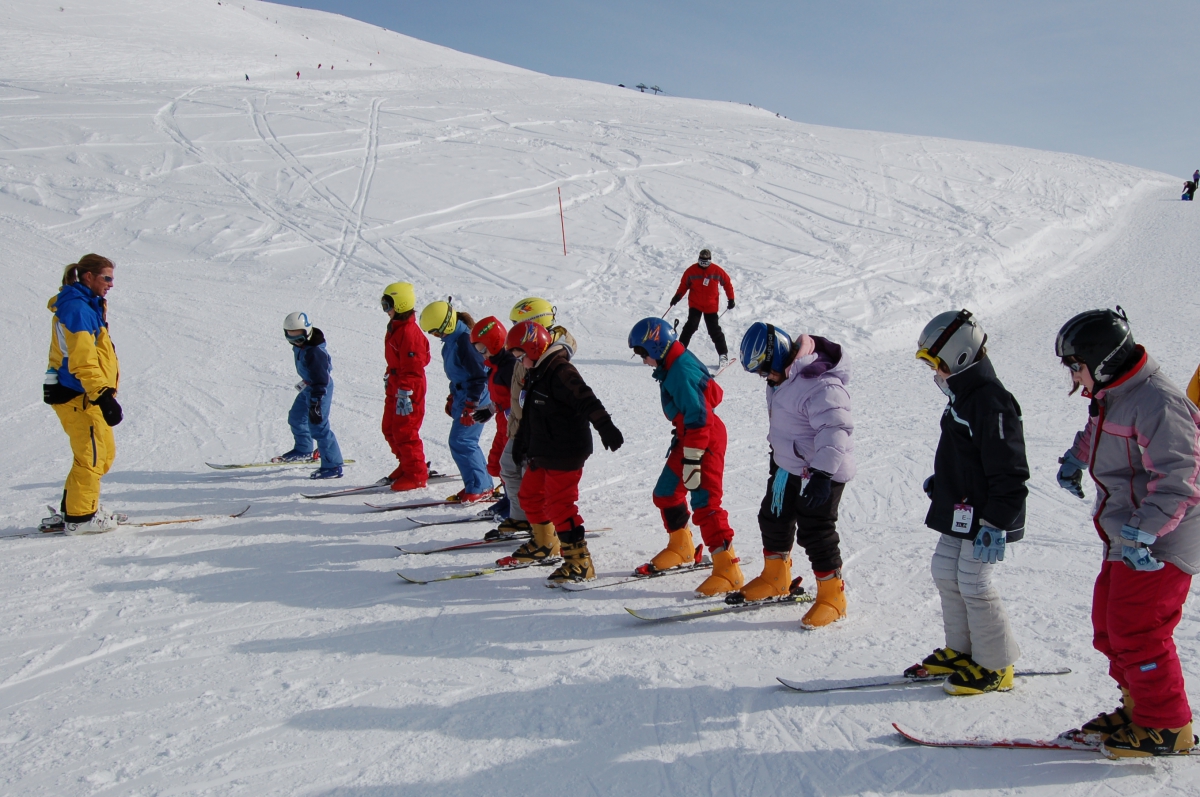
(305, 433)
(464, 447)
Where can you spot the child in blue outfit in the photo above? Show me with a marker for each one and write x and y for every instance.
(468, 392)
(309, 416)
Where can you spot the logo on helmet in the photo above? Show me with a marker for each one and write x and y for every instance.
(654, 333)
(530, 335)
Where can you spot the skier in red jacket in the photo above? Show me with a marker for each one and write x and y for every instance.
(407, 352)
(702, 283)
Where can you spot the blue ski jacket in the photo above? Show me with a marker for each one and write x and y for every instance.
(464, 368)
(314, 365)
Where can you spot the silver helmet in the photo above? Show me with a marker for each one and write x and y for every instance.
(952, 339)
(297, 321)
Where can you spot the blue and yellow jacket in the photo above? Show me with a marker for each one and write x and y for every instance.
(82, 357)
(689, 395)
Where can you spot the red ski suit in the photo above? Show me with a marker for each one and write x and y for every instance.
(690, 397)
(703, 287)
(407, 353)
(500, 370)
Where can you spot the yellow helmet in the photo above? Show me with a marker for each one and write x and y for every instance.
(438, 318)
(399, 296)
(533, 309)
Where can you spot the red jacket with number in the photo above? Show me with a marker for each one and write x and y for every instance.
(406, 350)
(702, 285)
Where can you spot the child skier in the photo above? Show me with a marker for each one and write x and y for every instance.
(406, 352)
(1142, 449)
(488, 338)
(811, 439)
(540, 311)
(468, 392)
(702, 282)
(554, 439)
(695, 464)
(309, 416)
(977, 501)
(81, 384)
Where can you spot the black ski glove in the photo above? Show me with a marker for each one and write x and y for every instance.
(730, 305)
(610, 435)
(675, 299)
(109, 408)
(484, 415)
(817, 491)
(314, 414)
(927, 486)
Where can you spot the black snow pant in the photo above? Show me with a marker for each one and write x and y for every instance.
(784, 515)
(714, 330)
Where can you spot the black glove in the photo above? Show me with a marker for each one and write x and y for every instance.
(484, 415)
(927, 486)
(314, 413)
(817, 491)
(450, 405)
(109, 408)
(730, 305)
(675, 299)
(610, 435)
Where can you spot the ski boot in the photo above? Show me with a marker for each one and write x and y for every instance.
(724, 361)
(775, 581)
(298, 456)
(463, 497)
(576, 566)
(943, 661)
(679, 552)
(1097, 730)
(509, 529)
(544, 545)
(975, 680)
(726, 574)
(327, 473)
(830, 603)
(55, 522)
(1134, 741)
(98, 523)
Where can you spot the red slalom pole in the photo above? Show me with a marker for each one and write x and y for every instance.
(561, 221)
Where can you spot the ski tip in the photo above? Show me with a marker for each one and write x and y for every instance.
(411, 580)
(909, 735)
(244, 511)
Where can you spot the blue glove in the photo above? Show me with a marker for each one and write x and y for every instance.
(927, 486)
(989, 545)
(1138, 556)
(819, 488)
(404, 404)
(1070, 474)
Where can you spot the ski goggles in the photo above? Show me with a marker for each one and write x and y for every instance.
(387, 304)
(932, 360)
(296, 339)
(1075, 365)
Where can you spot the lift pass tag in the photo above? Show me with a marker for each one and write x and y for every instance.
(963, 515)
(706, 280)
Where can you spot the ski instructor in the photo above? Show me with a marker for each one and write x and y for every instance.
(702, 282)
(81, 384)
(1142, 448)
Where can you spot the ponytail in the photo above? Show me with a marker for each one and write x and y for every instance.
(88, 264)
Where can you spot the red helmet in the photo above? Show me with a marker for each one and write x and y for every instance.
(529, 337)
(491, 333)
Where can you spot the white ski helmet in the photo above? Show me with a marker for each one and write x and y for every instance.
(952, 339)
(298, 321)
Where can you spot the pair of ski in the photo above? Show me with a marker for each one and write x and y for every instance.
(383, 484)
(59, 529)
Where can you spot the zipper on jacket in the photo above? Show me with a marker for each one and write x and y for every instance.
(92, 432)
(1091, 472)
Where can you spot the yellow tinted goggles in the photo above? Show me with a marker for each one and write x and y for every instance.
(932, 361)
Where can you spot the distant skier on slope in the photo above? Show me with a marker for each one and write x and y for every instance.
(1141, 448)
(532, 308)
(812, 458)
(555, 440)
(1196, 177)
(695, 466)
(702, 282)
(81, 384)
(468, 392)
(1189, 191)
(977, 501)
(309, 416)
(488, 337)
(406, 352)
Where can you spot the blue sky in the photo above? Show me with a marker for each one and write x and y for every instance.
(1113, 80)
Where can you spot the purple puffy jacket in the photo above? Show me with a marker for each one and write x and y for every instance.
(810, 414)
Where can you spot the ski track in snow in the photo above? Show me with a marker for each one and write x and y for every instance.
(278, 653)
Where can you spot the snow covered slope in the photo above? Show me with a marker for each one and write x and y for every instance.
(278, 653)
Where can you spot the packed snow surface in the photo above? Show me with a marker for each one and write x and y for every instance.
(279, 653)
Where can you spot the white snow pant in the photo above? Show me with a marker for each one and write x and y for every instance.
(972, 612)
(511, 475)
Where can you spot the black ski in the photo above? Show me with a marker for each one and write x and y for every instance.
(712, 608)
(381, 485)
(583, 586)
(484, 571)
(893, 681)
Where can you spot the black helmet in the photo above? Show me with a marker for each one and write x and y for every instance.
(705, 255)
(1100, 339)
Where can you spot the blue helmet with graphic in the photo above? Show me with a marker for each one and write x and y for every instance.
(651, 337)
(764, 348)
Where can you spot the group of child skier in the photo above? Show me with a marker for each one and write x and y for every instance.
(1141, 447)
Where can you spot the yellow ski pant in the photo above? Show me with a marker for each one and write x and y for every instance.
(93, 448)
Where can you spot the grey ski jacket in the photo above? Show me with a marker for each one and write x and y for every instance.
(1142, 448)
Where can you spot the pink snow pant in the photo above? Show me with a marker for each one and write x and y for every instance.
(1134, 614)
